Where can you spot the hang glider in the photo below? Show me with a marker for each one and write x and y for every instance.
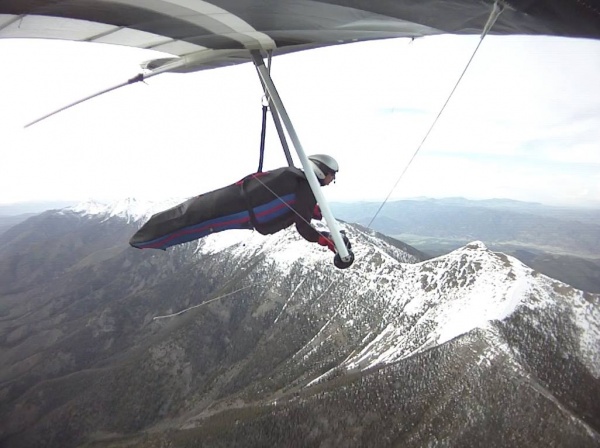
(200, 34)
(196, 35)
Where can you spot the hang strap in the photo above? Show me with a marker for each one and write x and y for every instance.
(263, 133)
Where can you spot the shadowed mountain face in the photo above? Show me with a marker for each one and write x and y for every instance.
(469, 349)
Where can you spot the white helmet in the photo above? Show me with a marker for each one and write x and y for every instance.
(323, 164)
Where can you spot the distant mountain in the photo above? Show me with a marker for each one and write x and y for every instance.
(13, 214)
(549, 229)
(6, 222)
(279, 348)
(21, 208)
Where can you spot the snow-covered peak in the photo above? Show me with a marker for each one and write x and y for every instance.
(429, 303)
(436, 300)
(130, 209)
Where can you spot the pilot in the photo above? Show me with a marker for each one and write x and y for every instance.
(266, 201)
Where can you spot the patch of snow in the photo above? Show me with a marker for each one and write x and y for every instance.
(587, 318)
(218, 242)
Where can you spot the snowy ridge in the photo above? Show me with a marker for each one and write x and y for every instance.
(449, 296)
(422, 304)
(444, 298)
(130, 209)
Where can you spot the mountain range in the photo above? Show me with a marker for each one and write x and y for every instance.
(562, 242)
(240, 339)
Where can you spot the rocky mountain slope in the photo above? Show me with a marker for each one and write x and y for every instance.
(279, 348)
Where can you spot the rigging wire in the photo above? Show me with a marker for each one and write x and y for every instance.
(166, 316)
(496, 10)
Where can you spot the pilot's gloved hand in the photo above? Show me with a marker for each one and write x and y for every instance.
(325, 240)
(317, 213)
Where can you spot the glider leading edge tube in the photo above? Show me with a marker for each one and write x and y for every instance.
(345, 256)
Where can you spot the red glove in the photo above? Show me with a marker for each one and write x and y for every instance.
(325, 240)
(317, 213)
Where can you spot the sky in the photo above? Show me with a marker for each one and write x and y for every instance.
(523, 124)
